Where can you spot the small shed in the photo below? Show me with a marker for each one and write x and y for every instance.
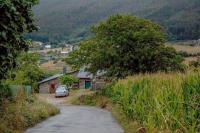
(85, 79)
(88, 80)
(49, 84)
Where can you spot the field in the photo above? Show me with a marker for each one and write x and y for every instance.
(53, 66)
(186, 47)
(51, 50)
(189, 59)
(154, 102)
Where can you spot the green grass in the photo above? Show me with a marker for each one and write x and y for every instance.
(154, 102)
(23, 112)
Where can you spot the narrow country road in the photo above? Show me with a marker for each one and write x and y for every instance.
(78, 119)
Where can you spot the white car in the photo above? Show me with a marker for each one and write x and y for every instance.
(62, 91)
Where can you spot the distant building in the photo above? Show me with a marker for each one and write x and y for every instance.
(47, 46)
(38, 43)
(64, 53)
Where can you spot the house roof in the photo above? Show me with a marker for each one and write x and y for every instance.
(84, 74)
(55, 77)
(50, 78)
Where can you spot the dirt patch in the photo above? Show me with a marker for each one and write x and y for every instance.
(53, 66)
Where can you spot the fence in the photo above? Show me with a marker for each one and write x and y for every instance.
(15, 88)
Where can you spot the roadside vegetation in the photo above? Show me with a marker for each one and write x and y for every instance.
(19, 108)
(153, 102)
(22, 111)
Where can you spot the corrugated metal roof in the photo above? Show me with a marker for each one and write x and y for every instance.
(55, 76)
(84, 74)
(50, 78)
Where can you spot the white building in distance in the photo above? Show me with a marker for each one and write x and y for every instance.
(47, 46)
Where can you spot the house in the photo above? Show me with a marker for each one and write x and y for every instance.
(88, 80)
(85, 79)
(49, 85)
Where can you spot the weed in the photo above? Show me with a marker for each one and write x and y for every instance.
(23, 112)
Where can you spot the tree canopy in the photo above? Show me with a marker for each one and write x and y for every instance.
(68, 80)
(124, 45)
(16, 18)
(27, 71)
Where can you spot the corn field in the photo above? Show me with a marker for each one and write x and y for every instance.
(164, 102)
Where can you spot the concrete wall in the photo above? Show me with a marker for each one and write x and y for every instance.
(44, 88)
(98, 83)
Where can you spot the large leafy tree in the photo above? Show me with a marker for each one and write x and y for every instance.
(125, 45)
(16, 18)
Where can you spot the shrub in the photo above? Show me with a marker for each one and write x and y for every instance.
(23, 112)
(5, 93)
(68, 79)
(195, 64)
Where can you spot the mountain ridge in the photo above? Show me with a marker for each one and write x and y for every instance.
(70, 20)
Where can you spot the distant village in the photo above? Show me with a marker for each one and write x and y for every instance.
(50, 52)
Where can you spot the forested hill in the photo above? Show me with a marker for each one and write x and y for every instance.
(70, 19)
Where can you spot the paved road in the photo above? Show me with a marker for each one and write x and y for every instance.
(79, 119)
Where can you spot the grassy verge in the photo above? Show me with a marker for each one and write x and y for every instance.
(23, 112)
(153, 102)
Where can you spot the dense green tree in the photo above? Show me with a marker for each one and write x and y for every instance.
(16, 18)
(27, 71)
(125, 45)
(68, 79)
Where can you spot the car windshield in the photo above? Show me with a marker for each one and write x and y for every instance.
(61, 88)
